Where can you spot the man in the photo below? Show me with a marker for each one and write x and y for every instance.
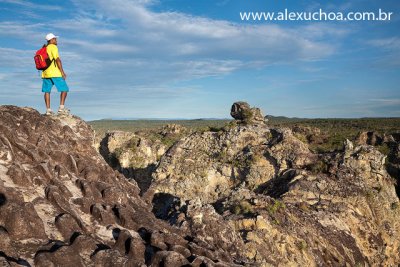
(54, 75)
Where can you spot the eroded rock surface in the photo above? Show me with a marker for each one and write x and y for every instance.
(61, 204)
(247, 195)
(263, 195)
(132, 155)
(210, 165)
(242, 112)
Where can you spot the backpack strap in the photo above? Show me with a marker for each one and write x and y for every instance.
(53, 60)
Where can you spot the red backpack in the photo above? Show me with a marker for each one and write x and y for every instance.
(42, 59)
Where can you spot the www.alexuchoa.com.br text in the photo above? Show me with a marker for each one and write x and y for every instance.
(320, 15)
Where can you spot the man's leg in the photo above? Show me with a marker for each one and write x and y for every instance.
(63, 96)
(62, 87)
(46, 89)
(47, 100)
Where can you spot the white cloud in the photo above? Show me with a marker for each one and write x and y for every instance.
(392, 43)
(129, 32)
(17, 58)
(391, 48)
(174, 34)
(121, 51)
(30, 5)
(385, 101)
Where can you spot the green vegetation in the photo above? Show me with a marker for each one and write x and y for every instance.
(379, 125)
(384, 149)
(168, 141)
(319, 167)
(333, 132)
(102, 126)
(133, 143)
(276, 207)
(301, 137)
(221, 156)
(301, 245)
(243, 207)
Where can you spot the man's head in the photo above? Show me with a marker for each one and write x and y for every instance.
(51, 38)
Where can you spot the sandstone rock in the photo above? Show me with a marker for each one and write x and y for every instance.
(130, 150)
(132, 155)
(209, 165)
(370, 138)
(245, 195)
(22, 221)
(4, 262)
(61, 203)
(110, 257)
(67, 225)
(169, 258)
(281, 204)
(242, 112)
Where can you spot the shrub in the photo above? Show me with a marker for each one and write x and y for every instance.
(384, 149)
(276, 207)
(243, 207)
(319, 167)
(301, 245)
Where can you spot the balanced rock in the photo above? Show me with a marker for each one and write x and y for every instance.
(242, 112)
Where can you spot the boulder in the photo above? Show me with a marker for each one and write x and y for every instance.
(242, 112)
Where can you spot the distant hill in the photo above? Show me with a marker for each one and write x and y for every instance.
(281, 118)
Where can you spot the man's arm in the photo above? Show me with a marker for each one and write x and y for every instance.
(59, 65)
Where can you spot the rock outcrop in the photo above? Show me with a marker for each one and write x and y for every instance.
(246, 195)
(61, 204)
(393, 164)
(388, 144)
(210, 165)
(132, 155)
(264, 191)
(370, 138)
(242, 112)
(136, 155)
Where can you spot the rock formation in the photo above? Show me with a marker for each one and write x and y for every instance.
(62, 205)
(132, 155)
(264, 191)
(242, 112)
(246, 195)
(136, 154)
(370, 138)
(393, 162)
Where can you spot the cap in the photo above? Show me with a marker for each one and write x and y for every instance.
(50, 36)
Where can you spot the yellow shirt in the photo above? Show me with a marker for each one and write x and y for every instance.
(52, 71)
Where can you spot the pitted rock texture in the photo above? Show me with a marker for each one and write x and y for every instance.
(132, 155)
(371, 138)
(61, 204)
(129, 150)
(242, 112)
(263, 195)
(392, 142)
(210, 165)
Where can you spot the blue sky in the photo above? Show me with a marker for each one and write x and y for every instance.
(193, 59)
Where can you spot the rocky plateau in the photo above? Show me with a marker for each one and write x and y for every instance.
(244, 195)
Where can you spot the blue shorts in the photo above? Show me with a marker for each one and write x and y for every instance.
(59, 82)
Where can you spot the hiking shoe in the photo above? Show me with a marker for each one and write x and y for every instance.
(49, 112)
(63, 111)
